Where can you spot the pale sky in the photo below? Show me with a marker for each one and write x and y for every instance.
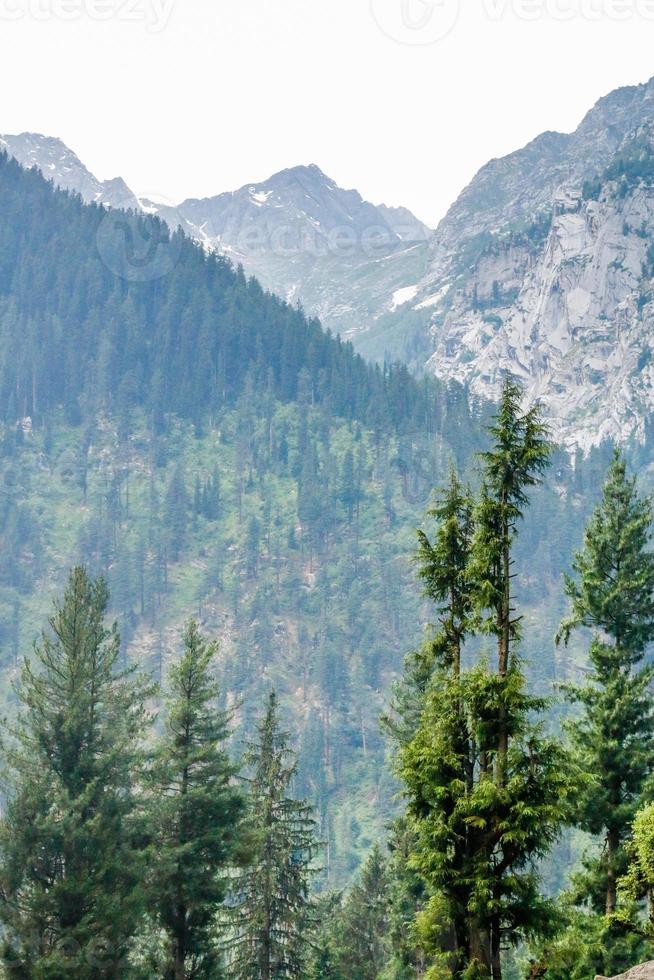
(192, 97)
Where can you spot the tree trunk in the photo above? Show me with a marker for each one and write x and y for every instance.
(504, 625)
(496, 950)
(179, 952)
(611, 882)
(479, 950)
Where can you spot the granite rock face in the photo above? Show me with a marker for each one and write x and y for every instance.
(544, 267)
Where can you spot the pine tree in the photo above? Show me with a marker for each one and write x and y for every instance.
(443, 567)
(365, 921)
(486, 790)
(518, 458)
(273, 917)
(176, 513)
(612, 594)
(354, 939)
(71, 838)
(198, 814)
(327, 958)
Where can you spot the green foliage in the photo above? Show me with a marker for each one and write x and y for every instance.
(612, 593)
(634, 163)
(443, 567)
(585, 942)
(638, 882)
(477, 839)
(272, 916)
(187, 342)
(212, 452)
(196, 813)
(72, 857)
(355, 939)
(487, 791)
(366, 920)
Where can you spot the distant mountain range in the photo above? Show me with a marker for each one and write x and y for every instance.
(300, 234)
(544, 266)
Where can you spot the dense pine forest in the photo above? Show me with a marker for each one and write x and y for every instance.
(240, 778)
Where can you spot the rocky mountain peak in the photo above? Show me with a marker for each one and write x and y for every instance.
(543, 268)
(58, 163)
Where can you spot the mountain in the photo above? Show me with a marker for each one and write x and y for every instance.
(543, 267)
(213, 452)
(60, 165)
(309, 240)
(346, 260)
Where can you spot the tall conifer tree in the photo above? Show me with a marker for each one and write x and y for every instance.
(71, 841)
(486, 790)
(612, 594)
(198, 811)
(272, 918)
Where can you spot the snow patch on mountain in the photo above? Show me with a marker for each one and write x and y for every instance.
(403, 295)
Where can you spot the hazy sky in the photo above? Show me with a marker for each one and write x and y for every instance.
(402, 99)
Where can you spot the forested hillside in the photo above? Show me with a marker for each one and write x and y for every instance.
(214, 452)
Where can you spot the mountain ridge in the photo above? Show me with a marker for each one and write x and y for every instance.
(551, 285)
(304, 237)
(523, 274)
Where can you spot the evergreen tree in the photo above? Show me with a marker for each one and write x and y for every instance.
(326, 961)
(198, 813)
(487, 791)
(354, 939)
(348, 488)
(407, 898)
(365, 921)
(71, 838)
(443, 568)
(638, 883)
(273, 917)
(176, 513)
(515, 463)
(612, 593)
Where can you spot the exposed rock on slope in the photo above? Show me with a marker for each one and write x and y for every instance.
(644, 972)
(311, 241)
(544, 268)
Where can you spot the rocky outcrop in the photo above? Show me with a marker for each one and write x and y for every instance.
(644, 972)
(545, 268)
(571, 316)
